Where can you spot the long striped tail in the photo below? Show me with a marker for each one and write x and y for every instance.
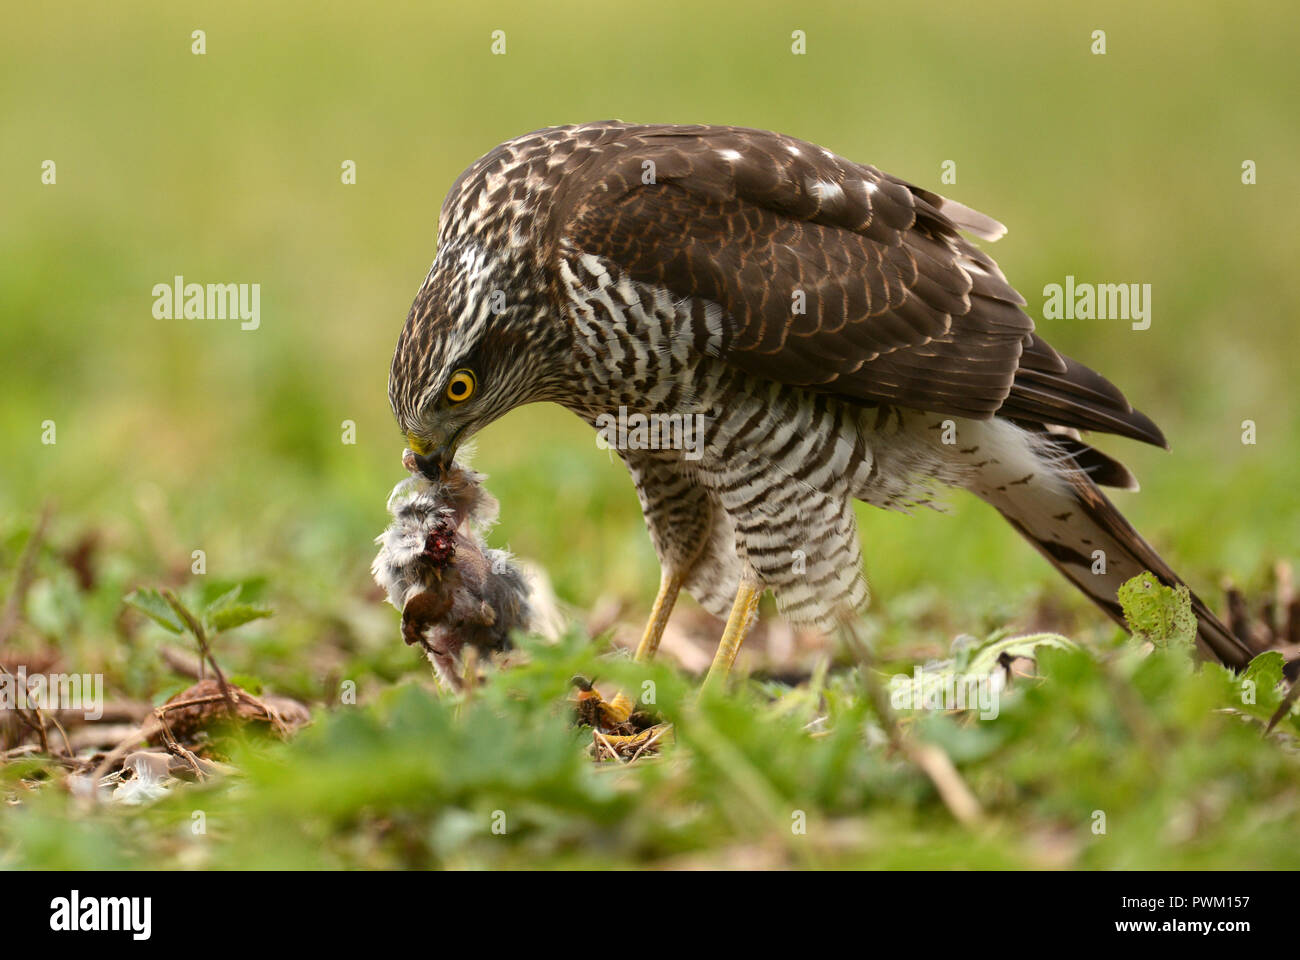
(1064, 514)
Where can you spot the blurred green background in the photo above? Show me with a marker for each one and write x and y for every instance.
(175, 435)
(183, 435)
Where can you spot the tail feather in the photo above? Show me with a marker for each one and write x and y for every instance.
(1063, 513)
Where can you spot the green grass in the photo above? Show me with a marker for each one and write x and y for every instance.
(1149, 767)
(176, 436)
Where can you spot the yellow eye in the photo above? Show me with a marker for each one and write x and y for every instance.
(461, 386)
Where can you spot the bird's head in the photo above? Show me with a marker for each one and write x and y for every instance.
(475, 346)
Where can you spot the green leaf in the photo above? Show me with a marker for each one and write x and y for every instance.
(1162, 615)
(247, 682)
(986, 658)
(235, 614)
(151, 603)
(224, 600)
(1257, 690)
(1266, 670)
(973, 660)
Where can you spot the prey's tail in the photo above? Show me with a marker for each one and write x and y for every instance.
(1045, 493)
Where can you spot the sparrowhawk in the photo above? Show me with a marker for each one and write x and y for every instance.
(832, 330)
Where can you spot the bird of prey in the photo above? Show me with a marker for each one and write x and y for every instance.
(837, 335)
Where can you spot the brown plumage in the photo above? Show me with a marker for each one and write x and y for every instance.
(827, 322)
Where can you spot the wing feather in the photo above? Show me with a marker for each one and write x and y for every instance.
(830, 274)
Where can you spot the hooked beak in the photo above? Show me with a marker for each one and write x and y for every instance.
(431, 462)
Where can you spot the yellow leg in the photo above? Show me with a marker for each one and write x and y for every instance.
(743, 614)
(670, 584)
